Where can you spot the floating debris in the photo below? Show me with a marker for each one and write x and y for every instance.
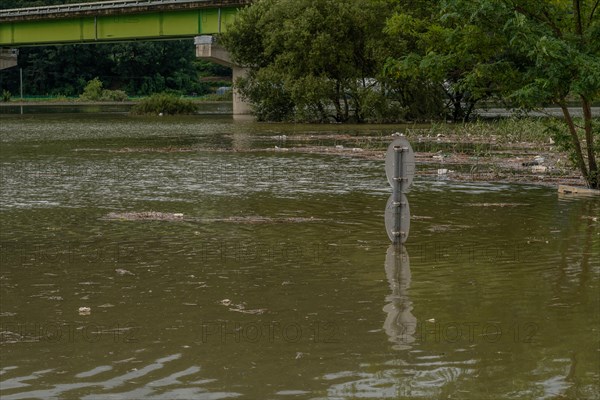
(538, 160)
(447, 228)
(121, 271)
(420, 217)
(145, 215)
(241, 308)
(263, 220)
(496, 204)
(257, 311)
(160, 216)
(85, 310)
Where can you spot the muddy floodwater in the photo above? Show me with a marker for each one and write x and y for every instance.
(199, 258)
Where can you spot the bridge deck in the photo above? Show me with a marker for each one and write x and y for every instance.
(117, 7)
(119, 20)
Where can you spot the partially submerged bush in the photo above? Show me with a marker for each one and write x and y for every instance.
(114, 95)
(93, 92)
(164, 103)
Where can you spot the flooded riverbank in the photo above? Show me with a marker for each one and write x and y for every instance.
(494, 296)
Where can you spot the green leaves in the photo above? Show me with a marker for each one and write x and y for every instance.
(310, 59)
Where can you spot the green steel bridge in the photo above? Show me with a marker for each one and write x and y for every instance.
(120, 20)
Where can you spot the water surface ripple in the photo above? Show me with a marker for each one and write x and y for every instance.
(277, 280)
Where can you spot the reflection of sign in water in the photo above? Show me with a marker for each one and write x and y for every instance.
(400, 171)
(400, 324)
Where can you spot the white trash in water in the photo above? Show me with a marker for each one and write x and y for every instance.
(84, 310)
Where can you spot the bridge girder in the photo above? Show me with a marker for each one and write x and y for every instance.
(143, 20)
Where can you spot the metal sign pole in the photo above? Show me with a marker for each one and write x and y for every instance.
(397, 191)
(398, 163)
(21, 87)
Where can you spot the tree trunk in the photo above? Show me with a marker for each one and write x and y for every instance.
(337, 104)
(578, 22)
(594, 173)
(575, 139)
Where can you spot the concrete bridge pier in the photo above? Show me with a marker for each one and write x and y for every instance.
(8, 58)
(207, 49)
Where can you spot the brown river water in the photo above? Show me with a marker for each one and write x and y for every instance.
(276, 279)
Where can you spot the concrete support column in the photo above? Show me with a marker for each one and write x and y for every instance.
(240, 106)
(8, 58)
(207, 49)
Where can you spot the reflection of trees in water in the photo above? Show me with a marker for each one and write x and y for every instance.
(580, 247)
(400, 324)
(578, 268)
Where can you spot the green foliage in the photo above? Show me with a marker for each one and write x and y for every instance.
(114, 95)
(449, 53)
(525, 54)
(564, 141)
(302, 64)
(207, 68)
(227, 96)
(165, 104)
(136, 68)
(484, 133)
(6, 96)
(93, 92)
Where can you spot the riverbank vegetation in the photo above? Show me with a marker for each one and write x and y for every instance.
(372, 61)
(93, 91)
(355, 61)
(164, 104)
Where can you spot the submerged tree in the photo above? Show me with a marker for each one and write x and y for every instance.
(313, 59)
(556, 58)
(529, 53)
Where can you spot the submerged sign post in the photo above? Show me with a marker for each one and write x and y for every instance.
(400, 171)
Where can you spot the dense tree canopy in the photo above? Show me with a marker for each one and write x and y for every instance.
(315, 60)
(526, 53)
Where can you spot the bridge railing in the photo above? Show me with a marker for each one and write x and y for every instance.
(99, 6)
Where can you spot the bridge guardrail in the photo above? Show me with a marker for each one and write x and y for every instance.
(101, 6)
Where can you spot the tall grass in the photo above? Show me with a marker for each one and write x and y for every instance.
(504, 130)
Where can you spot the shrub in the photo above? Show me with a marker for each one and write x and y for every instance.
(93, 92)
(114, 95)
(164, 103)
(6, 95)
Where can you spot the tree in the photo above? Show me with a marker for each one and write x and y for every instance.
(441, 51)
(528, 53)
(319, 60)
(558, 43)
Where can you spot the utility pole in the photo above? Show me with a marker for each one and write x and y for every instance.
(21, 81)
